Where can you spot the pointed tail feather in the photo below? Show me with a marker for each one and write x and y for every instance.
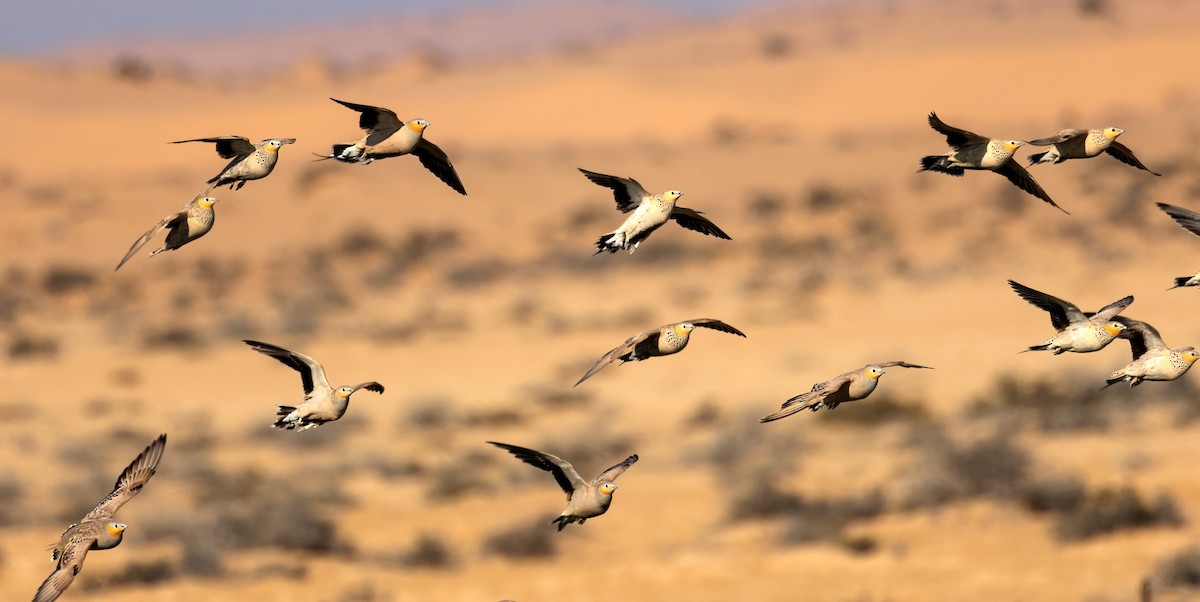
(1036, 158)
(602, 244)
(1180, 281)
(940, 164)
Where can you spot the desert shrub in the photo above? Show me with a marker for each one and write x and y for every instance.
(762, 498)
(994, 467)
(880, 409)
(26, 346)
(1180, 570)
(428, 552)
(140, 573)
(1052, 494)
(776, 46)
(11, 496)
(560, 399)
(459, 476)
(825, 519)
(526, 540)
(1049, 405)
(428, 413)
(180, 338)
(1110, 510)
(64, 280)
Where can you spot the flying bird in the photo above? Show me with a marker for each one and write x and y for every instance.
(388, 136)
(851, 386)
(972, 151)
(1077, 331)
(647, 213)
(1082, 144)
(194, 220)
(98, 530)
(585, 499)
(1152, 359)
(247, 161)
(322, 403)
(664, 340)
(1190, 221)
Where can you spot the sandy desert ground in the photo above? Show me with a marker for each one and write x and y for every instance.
(997, 476)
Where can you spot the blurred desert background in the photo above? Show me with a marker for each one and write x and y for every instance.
(796, 128)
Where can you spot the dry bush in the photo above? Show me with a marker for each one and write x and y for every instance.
(459, 476)
(825, 519)
(1048, 405)
(27, 346)
(526, 540)
(1110, 510)
(478, 273)
(880, 409)
(410, 253)
(1052, 494)
(64, 280)
(1180, 570)
(12, 494)
(947, 471)
(173, 337)
(428, 552)
(776, 46)
(766, 206)
(134, 573)
(760, 497)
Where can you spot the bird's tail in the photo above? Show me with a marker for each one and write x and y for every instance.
(1042, 347)
(940, 164)
(1180, 281)
(562, 521)
(346, 153)
(284, 412)
(607, 242)
(1114, 379)
(1036, 158)
(796, 404)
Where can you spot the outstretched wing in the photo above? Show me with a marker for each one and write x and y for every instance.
(955, 137)
(132, 479)
(562, 470)
(694, 220)
(1059, 138)
(436, 161)
(902, 365)
(1188, 220)
(371, 386)
(1062, 312)
(1121, 153)
(626, 191)
(1142, 336)
(616, 470)
(1107, 312)
(1017, 175)
(69, 565)
(171, 221)
(373, 119)
(227, 146)
(311, 373)
(715, 325)
(811, 399)
(620, 350)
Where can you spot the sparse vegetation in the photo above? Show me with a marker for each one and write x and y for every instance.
(526, 540)
(1180, 570)
(1107, 511)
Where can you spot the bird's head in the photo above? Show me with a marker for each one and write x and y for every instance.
(672, 195)
(115, 529)
(1112, 132)
(607, 488)
(343, 392)
(206, 202)
(274, 144)
(1012, 145)
(1191, 355)
(684, 329)
(874, 372)
(418, 125)
(1113, 328)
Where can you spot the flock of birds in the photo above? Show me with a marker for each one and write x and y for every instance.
(386, 135)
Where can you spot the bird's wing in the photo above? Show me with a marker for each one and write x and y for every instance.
(1121, 153)
(371, 386)
(227, 146)
(1062, 312)
(811, 398)
(1142, 336)
(1017, 175)
(373, 119)
(1107, 312)
(562, 470)
(902, 365)
(1059, 138)
(132, 479)
(436, 161)
(69, 564)
(312, 374)
(694, 220)
(167, 222)
(626, 191)
(715, 325)
(615, 470)
(618, 351)
(1188, 220)
(955, 137)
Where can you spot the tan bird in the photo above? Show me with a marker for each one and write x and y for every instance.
(647, 213)
(98, 530)
(193, 221)
(1078, 332)
(322, 403)
(388, 136)
(247, 161)
(851, 386)
(664, 340)
(1082, 144)
(1190, 221)
(1152, 359)
(585, 499)
(972, 151)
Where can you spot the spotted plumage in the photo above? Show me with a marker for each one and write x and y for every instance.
(322, 402)
(247, 161)
(972, 151)
(1076, 331)
(849, 386)
(1152, 359)
(664, 340)
(1083, 144)
(647, 213)
(585, 499)
(388, 136)
(97, 530)
(194, 220)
